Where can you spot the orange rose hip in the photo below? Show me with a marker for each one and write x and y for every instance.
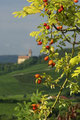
(37, 75)
(50, 62)
(46, 58)
(51, 42)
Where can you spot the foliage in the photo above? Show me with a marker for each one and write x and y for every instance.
(62, 26)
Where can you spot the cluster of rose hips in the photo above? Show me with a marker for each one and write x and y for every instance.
(59, 27)
(50, 62)
(48, 47)
(45, 3)
(35, 106)
(46, 26)
(38, 76)
(61, 9)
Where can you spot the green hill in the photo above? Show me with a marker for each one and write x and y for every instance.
(18, 85)
(22, 82)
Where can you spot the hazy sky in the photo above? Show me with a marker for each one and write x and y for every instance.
(14, 32)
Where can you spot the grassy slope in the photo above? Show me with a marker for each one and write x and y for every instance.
(16, 84)
(11, 85)
(13, 88)
(19, 83)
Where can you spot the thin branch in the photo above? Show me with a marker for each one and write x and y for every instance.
(67, 38)
(74, 44)
(66, 30)
(77, 27)
(62, 87)
(51, 32)
(77, 42)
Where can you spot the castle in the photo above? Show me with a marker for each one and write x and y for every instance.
(21, 59)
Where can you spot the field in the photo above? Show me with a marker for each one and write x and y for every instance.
(19, 85)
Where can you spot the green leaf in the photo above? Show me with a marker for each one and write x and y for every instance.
(76, 72)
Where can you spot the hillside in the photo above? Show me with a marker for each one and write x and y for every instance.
(19, 85)
(21, 80)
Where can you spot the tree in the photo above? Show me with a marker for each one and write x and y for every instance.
(62, 27)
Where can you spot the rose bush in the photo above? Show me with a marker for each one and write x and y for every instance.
(62, 26)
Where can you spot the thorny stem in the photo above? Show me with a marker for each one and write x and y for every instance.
(62, 87)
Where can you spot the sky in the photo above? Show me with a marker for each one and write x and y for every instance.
(14, 32)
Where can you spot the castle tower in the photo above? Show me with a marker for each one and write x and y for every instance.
(30, 53)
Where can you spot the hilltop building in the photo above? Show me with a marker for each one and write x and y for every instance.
(21, 59)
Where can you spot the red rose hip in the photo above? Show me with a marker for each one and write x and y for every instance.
(45, 0)
(47, 27)
(39, 43)
(47, 47)
(45, 4)
(59, 10)
(53, 64)
(45, 24)
(75, 1)
(39, 81)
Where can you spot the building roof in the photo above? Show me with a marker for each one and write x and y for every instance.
(23, 57)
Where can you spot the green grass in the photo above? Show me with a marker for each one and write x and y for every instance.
(21, 83)
(15, 85)
(31, 69)
(7, 111)
(7, 108)
(9, 85)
